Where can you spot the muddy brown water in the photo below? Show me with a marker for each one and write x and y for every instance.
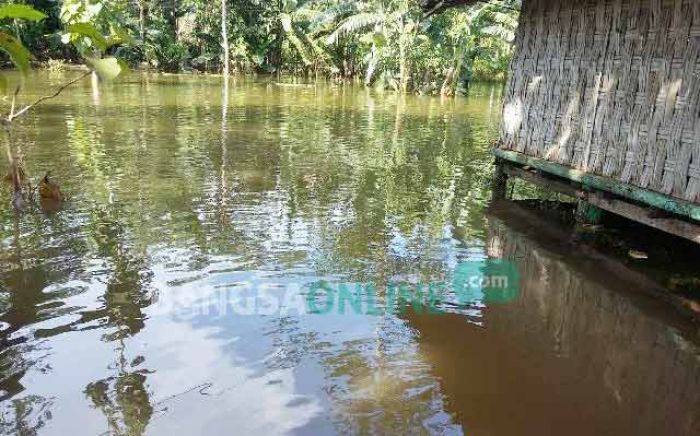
(168, 295)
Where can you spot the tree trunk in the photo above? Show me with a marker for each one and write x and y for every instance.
(224, 39)
(16, 173)
(142, 20)
(169, 9)
(403, 67)
(449, 86)
(276, 55)
(447, 83)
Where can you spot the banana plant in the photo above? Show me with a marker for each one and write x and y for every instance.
(389, 29)
(293, 19)
(461, 35)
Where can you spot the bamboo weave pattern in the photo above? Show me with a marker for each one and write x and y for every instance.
(610, 87)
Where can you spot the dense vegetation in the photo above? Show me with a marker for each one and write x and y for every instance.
(393, 44)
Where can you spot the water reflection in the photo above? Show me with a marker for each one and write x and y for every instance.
(25, 416)
(182, 190)
(582, 351)
(124, 401)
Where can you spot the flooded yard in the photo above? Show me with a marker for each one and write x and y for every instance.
(168, 295)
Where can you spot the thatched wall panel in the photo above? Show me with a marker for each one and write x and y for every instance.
(610, 87)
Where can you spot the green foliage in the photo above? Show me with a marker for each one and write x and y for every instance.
(107, 68)
(88, 33)
(20, 11)
(386, 43)
(11, 45)
(84, 35)
(14, 48)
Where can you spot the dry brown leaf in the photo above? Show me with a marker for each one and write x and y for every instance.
(49, 190)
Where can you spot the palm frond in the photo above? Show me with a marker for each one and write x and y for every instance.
(306, 14)
(293, 37)
(353, 24)
(332, 13)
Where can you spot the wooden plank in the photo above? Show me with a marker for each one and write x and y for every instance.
(645, 196)
(588, 213)
(619, 207)
(546, 182)
(636, 213)
(540, 164)
(500, 181)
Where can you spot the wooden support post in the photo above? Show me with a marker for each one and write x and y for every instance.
(593, 182)
(500, 181)
(541, 179)
(592, 203)
(586, 213)
(668, 224)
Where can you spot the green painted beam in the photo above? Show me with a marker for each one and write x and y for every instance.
(586, 213)
(592, 181)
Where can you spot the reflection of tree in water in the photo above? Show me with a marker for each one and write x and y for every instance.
(380, 386)
(24, 416)
(19, 350)
(25, 301)
(309, 158)
(376, 383)
(127, 292)
(122, 398)
(389, 169)
(125, 402)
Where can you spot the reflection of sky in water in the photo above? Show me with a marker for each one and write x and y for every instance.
(248, 372)
(255, 373)
(269, 373)
(365, 365)
(170, 210)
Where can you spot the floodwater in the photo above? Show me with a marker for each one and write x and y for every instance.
(168, 295)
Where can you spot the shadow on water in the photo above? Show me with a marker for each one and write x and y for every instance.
(587, 347)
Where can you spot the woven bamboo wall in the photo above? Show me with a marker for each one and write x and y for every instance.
(610, 87)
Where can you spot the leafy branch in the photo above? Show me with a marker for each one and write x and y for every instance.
(58, 91)
(90, 43)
